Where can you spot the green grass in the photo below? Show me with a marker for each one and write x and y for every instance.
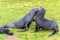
(12, 10)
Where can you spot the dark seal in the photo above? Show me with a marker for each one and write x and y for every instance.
(43, 23)
(5, 31)
(24, 22)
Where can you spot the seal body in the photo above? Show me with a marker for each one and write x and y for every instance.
(43, 23)
(5, 31)
(25, 21)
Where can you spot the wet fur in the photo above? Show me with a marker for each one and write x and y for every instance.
(5, 31)
(24, 22)
(43, 23)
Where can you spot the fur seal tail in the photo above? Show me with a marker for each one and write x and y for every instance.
(55, 31)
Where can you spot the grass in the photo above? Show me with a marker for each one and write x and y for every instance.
(12, 10)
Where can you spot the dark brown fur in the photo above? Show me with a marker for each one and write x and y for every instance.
(25, 21)
(43, 23)
(5, 31)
